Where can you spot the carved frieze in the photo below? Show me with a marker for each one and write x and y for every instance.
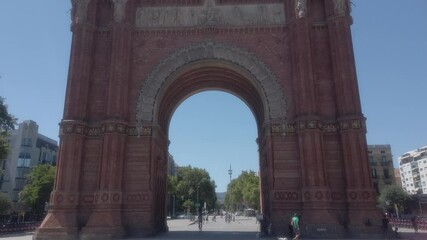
(340, 7)
(79, 13)
(119, 10)
(96, 131)
(300, 8)
(286, 196)
(211, 14)
(326, 127)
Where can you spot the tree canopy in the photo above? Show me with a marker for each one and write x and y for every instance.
(192, 186)
(7, 123)
(5, 203)
(39, 186)
(243, 192)
(393, 196)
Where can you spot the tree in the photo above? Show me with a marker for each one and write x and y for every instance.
(5, 203)
(393, 196)
(192, 186)
(243, 192)
(7, 123)
(39, 186)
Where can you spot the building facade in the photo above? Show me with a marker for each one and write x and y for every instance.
(397, 177)
(28, 148)
(413, 170)
(381, 166)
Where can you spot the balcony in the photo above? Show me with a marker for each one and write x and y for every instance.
(373, 163)
(385, 163)
(388, 181)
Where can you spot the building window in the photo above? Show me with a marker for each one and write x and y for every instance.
(26, 142)
(23, 162)
(374, 173)
(386, 174)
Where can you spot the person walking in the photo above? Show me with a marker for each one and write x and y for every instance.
(200, 220)
(414, 223)
(295, 226)
(385, 221)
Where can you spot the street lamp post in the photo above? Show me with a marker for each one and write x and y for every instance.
(230, 171)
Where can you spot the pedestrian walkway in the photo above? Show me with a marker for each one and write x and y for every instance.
(241, 229)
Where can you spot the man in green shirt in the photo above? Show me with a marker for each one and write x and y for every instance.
(295, 225)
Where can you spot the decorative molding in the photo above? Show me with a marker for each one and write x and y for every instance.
(300, 8)
(137, 197)
(317, 195)
(119, 10)
(289, 196)
(262, 78)
(79, 10)
(211, 14)
(360, 195)
(121, 128)
(74, 128)
(326, 127)
(340, 7)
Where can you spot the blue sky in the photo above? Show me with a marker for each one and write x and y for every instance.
(390, 43)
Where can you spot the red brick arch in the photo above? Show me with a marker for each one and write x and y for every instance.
(133, 62)
(239, 66)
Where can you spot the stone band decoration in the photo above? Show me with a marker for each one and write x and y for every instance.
(211, 15)
(96, 131)
(327, 127)
(289, 196)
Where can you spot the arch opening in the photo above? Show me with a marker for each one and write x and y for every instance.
(222, 136)
(209, 61)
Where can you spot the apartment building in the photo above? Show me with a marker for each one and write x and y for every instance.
(28, 148)
(413, 170)
(381, 166)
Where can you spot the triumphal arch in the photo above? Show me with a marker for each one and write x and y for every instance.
(134, 61)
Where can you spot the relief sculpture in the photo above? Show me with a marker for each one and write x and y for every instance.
(339, 6)
(79, 13)
(211, 15)
(300, 8)
(119, 10)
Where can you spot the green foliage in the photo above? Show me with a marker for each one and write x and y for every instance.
(7, 123)
(192, 185)
(39, 186)
(394, 196)
(243, 192)
(5, 203)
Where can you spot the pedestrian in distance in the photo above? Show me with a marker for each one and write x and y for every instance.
(295, 226)
(414, 223)
(384, 226)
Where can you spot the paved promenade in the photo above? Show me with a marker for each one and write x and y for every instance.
(242, 229)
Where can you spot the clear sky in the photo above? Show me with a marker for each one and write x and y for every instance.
(390, 44)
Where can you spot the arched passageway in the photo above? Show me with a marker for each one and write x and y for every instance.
(133, 62)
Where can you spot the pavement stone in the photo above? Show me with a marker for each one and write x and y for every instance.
(241, 229)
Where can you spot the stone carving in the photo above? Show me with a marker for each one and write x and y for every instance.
(79, 10)
(211, 15)
(264, 80)
(119, 10)
(301, 8)
(339, 7)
